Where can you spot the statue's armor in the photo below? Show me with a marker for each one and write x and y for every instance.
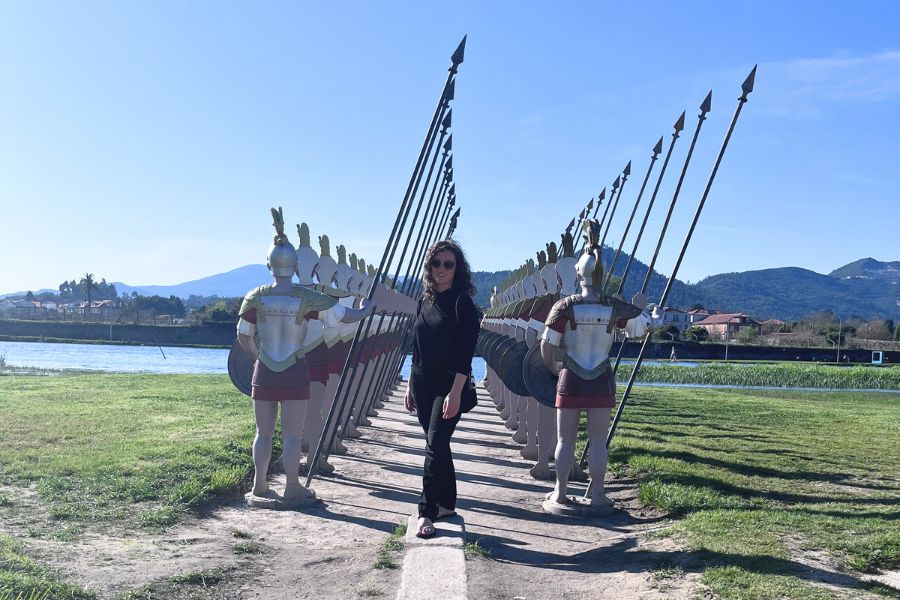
(587, 345)
(582, 330)
(281, 323)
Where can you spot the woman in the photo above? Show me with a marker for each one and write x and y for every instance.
(445, 334)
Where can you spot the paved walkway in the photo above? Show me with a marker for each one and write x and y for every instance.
(533, 554)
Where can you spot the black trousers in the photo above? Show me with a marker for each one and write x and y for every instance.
(439, 477)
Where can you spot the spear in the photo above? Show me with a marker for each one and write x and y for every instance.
(612, 195)
(599, 202)
(656, 150)
(445, 125)
(625, 173)
(328, 431)
(705, 107)
(679, 125)
(365, 340)
(379, 365)
(445, 168)
(746, 89)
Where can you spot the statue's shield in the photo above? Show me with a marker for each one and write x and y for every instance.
(540, 381)
(240, 368)
(510, 371)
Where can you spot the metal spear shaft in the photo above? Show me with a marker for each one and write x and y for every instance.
(746, 88)
(445, 124)
(361, 341)
(705, 107)
(327, 437)
(679, 125)
(656, 150)
(446, 166)
(625, 173)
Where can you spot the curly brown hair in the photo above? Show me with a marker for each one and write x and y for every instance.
(462, 278)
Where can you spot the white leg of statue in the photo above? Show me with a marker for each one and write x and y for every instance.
(530, 450)
(546, 441)
(351, 431)
(598, 426)
(359, 414)
(312, 429)
(521, 434)
(505, 404)
(266, 413)
(293, 415)
(567, 430)
(512, 421)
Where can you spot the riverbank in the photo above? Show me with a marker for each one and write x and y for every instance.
(205, 335)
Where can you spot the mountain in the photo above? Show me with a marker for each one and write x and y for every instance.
(869, 268)
(791, 293)
(234, 283)
(867, 288)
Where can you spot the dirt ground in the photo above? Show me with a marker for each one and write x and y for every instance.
(328, 551)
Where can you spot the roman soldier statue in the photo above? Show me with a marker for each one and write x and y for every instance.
(277, 314)
(578, 335)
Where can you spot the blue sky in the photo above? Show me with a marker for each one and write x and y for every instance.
(145, 142)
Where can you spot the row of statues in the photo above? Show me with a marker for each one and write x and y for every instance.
(546, 341)
(293, 341)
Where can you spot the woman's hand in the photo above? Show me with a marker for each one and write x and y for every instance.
(408, 401)
(451, 405)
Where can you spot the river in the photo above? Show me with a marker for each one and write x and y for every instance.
(135, 359)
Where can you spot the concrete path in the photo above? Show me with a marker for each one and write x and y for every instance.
(532, 554)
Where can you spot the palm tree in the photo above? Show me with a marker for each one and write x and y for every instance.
(88, 284)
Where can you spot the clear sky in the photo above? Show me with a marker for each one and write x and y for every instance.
(145, 141)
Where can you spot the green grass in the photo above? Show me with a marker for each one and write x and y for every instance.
(127, 449)
(247, 548)
(771, 375)
(761, 478)
(387, 552)
(23, 578)
(475, 550)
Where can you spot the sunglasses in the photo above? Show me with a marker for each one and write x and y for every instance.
(436, 263)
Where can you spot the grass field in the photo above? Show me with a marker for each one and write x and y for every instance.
(770, 375)
(114, 452)
(765, 483)
(762, 478)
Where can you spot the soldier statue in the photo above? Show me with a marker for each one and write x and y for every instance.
(575, 344)
(278, 314)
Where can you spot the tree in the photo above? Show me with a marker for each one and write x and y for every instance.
(698, 334)
(669, 333)
(747, 335)
(29, 296)
(88, 285)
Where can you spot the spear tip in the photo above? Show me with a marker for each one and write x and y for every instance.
(459, 53)
(448, 145)
(627, 170)
(658, 147)
(707, 103)
(747, 86)
(616, 183)
(448, 119)
(602, 195)
(451, 90)
(679, 124)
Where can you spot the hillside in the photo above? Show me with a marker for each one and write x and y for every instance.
(791, 293)
(869, 268)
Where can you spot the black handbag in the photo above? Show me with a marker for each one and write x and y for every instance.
(468, 399)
